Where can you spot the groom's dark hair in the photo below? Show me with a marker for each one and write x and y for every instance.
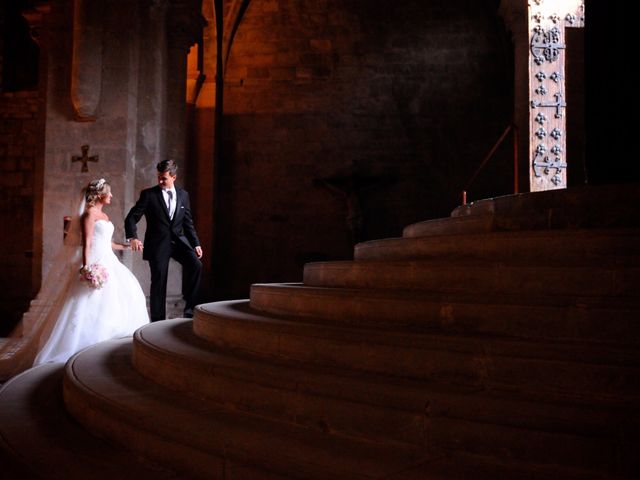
(169, 166)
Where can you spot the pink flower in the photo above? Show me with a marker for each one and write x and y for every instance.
(95, 275)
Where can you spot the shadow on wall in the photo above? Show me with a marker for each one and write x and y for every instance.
(20, 53)
(415, 91)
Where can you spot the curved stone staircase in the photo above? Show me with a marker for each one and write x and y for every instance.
(502, 342)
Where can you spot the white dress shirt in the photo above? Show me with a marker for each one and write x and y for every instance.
(165, 195)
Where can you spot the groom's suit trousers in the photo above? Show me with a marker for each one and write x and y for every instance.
(191, 274)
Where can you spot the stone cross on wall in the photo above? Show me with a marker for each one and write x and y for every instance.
(547, 120)
(84, 158)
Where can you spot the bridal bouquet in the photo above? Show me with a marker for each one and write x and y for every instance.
(95, 275)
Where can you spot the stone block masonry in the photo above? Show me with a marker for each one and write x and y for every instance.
(413, 92)
(19, 137)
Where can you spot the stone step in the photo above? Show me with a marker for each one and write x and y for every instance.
(555, 247)
(452, 226)
(315, 398)
(380, 408)
(590, 206)
(203, 440)
(13, 359)
(529, 317)
(526, 369)
(478, 467)
(40, 440)
(586, 207)
(461, 415)
(481, 279)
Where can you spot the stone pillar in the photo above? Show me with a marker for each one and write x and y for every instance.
(176, 98)
(184, 28)
(86, 67)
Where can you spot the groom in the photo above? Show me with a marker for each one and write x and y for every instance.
(170, 234)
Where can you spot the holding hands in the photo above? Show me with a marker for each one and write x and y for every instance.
(136, 245)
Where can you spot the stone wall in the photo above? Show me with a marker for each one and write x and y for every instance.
(19, 136)
(406, 96)
(129, 130)
(127, 75)
(403, 98)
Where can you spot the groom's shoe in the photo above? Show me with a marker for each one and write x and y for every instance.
(188, 313)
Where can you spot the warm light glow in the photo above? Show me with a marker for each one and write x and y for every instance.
(192, 73)
(192, 61)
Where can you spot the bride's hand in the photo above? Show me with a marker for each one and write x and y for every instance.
(136, 245)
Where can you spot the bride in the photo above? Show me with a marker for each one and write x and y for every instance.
(93, 313)
(80, 313)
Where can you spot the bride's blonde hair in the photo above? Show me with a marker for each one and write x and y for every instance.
(96, 190)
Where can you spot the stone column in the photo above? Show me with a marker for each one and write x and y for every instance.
(86, 68)
(184, 23)
(184, 28)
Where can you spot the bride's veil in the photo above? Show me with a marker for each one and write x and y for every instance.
(20, 349)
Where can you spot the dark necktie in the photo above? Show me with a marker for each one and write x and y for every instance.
(170, 195)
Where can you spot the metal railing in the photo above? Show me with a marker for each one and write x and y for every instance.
(514, 130)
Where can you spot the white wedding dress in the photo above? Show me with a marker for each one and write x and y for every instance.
(88, 315)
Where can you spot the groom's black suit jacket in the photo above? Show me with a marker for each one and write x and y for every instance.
(160, 229)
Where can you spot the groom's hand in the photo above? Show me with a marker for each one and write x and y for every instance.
(136, 245)
(198, 250)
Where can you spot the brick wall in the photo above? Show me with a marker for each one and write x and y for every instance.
(413, 93)
(19, 137)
